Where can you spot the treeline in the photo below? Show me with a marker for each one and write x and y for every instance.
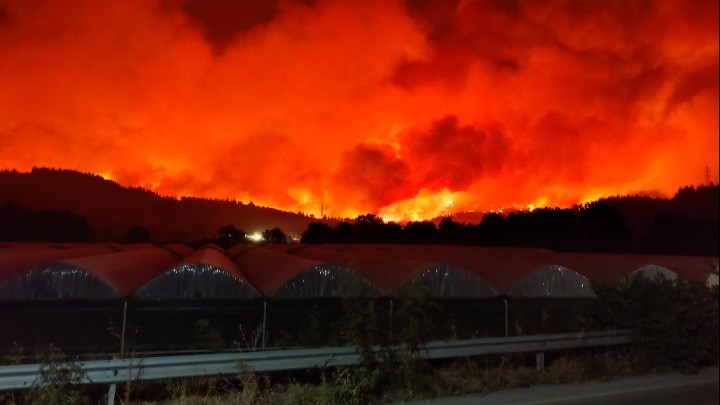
(596, 226)
(22, 225)
(111, 209)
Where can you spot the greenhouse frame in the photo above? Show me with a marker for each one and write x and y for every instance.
(293, 295)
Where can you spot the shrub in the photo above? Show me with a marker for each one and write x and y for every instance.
(674, 323)
(208, 337)
(59, 381)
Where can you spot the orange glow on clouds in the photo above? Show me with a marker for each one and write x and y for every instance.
(406, 109)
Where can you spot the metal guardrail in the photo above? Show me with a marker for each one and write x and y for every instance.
(155, 368)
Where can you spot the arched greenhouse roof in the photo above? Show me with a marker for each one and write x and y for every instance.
(181, 249)
(134, 246)
(601, 267)
(36, 246)
(499, 267)
(56, 281)
(653, 271)
(327, 281)
(125, 271)
(387, 273)
(20, 259)
(283, 247)
(607, 267)
(236, 250)
(553, 281)
(268, 270)
(213, 246)
(206, 274)
(446, 281)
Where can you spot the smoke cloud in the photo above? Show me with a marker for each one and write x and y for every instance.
(408, 109)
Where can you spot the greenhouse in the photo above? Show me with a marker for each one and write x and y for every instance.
(301, 292)
(446, 281)
(17, 260)
(387, 273)
(74, 289)
(467, 301)
(253, 296)
(204, 295)
(206, 274)
(326, 281)
(56, 281)
(553, 281)
(83, 272)
(654, 272)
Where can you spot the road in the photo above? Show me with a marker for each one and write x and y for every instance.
(657, 389)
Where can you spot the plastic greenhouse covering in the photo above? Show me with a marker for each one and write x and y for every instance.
(18, 260)
(181, 249)
(128, 270)
(446, 281)
(269, 270)
(197, 281)
(448, 271)
(327, 281)
(552, 281)
(235, 251)
(207, 274)
(653, 271)
(499, 267)
(387, 273)
(58, 281)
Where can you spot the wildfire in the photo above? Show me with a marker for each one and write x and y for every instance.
(406, 109)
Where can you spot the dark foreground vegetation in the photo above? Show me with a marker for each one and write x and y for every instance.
(674, 323)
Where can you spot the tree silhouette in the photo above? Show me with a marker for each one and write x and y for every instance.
(599, 226)
(317, 232)
(229, 235)
(274, 235)
(23, 225)
(604, 226)
(420, 232)
(450, 231)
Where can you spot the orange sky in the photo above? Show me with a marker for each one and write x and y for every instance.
(407, 109)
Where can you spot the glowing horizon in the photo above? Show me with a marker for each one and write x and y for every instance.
(408, 110)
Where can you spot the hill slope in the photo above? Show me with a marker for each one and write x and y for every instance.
(112, 209)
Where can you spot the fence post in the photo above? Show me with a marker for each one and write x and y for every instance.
(122, 333)
(264, 324)
(391, 318)
(507, 329)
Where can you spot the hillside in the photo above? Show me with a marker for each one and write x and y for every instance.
(112, 209)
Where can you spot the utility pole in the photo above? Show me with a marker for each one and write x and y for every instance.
(322, 204)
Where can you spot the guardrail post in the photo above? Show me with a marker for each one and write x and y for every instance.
(111, 394)
(540, 361)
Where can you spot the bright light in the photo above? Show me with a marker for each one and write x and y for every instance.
(255, 237)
